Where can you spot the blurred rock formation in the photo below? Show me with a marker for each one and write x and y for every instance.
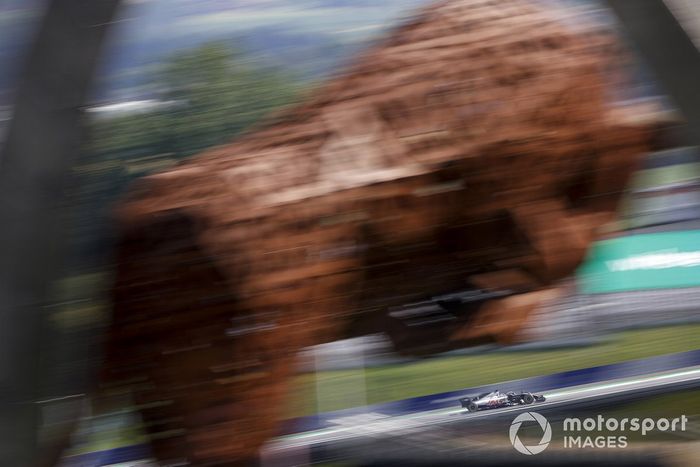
(475, 147)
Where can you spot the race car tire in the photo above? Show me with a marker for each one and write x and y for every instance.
(472, 407)
(528, 399)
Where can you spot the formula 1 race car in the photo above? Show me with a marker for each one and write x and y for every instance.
(497, 399)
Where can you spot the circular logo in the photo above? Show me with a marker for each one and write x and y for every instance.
(546, 433)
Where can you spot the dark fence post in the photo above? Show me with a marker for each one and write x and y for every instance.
(42, 140)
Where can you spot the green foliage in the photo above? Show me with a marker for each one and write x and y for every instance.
(216, 94)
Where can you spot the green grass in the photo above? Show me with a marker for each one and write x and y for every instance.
(339, 389)
(665, 175)
(346, 388)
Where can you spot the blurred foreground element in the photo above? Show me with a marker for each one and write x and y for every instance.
(39, 146)
(462, 166)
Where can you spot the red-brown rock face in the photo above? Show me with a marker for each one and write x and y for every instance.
(475, 143)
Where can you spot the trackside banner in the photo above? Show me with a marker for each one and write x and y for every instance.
(637, 262)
